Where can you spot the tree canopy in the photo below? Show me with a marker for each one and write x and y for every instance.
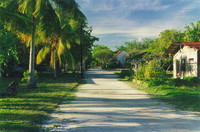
(50, 28)
(192, 32)
(8, 46)
(102, 54)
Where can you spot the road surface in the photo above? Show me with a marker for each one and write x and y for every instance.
(105, 104)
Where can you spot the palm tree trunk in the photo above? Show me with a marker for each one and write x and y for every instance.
(0, 72)
(31, 79)
(54, 65)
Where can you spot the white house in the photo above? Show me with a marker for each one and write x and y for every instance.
(121, 57)
(186, 59)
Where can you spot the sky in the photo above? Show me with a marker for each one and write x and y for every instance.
(117, 21)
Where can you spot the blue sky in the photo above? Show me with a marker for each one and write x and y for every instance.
(117, 21)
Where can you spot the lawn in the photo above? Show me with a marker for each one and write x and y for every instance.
(183, 97)
(27, 110)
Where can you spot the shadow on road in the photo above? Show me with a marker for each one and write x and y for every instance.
(97, 73)
(105, 104)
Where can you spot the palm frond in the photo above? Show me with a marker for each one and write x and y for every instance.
(68, 46)
(69, 58)
(23, 6)
(37, 8)
(25, 38)
(43, 53)
(60, 50)
(13, 19)
(49, 23)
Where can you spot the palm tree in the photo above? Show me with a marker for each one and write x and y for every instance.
(58, 53)
(60, 35)
(36, 12)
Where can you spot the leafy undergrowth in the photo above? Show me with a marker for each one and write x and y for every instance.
(5, 82)
(28, 109)
(184, 98)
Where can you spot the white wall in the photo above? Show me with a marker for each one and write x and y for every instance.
(122, 57)
(191, 57)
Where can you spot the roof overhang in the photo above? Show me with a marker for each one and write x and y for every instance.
(175, 47)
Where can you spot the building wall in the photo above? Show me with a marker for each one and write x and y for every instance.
(198, 60)
(185, 62)
(122, 57)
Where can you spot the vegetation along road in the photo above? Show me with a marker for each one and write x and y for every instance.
(105, 104)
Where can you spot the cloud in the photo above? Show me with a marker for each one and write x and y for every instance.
(117, 16)
(183, 11)
(153, 5)
(110, 5)
(121, 20)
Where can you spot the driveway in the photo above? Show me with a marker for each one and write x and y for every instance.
(105, 104)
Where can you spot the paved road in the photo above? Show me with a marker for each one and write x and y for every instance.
(105, 104)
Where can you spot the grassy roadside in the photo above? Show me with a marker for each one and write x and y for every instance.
(28, 109)
(183, 98)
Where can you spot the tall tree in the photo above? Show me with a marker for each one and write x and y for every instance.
(87, 42)
(135, 45)
(102, 54)
(61, 35)
(8, 45)
(160, 44)
(192, 32)
(37, 11)
(58, 53)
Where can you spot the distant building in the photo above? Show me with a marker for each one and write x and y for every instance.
(186, 59)
(121, 57)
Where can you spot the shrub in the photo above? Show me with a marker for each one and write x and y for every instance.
(191, 81)
(187, 81)
(154, 73)
(126, 73)
(139, 74)
(26, 74)
(113, 64)
(175, 82)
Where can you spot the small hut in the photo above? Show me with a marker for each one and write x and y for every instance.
(121, 57)
(186, 59)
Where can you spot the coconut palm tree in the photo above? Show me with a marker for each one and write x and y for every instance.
(36, 12)
(58, 53)
(60, 35)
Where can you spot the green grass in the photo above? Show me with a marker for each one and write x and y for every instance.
(27, 110)
(184, 98)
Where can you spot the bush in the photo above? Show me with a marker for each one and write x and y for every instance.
(139, 74)
(191, 81)
(127, 74)
(151, 72)
(187, 81)
(154, 72)
(26, 74)
(113, 64)
(175, 82)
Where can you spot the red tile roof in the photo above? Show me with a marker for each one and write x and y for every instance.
(192, 44)
(174, 47)
(118, 52)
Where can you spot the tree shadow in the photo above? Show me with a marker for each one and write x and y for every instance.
(105, 114)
